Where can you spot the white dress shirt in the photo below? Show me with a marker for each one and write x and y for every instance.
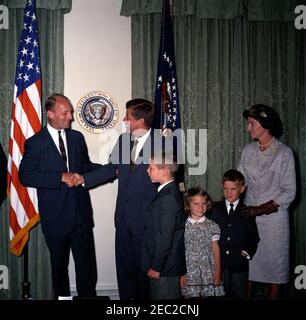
(54, 134)
(141, 142)
(228, 205)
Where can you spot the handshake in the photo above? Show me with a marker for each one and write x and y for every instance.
(72, 179)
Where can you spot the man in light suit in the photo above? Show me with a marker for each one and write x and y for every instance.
(49, 159)
(135, 192)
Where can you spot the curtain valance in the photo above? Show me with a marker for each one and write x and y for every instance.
(40, 4)
(253, 10)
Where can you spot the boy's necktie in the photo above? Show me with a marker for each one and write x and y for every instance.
(231, 210)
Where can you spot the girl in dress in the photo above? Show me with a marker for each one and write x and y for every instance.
(203, 278)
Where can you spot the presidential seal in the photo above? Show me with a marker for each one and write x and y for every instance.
(97, 111)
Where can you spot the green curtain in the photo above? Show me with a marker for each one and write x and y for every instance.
(230, 55)
(50, 17)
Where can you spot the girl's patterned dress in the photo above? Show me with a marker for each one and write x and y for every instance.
(199, 258)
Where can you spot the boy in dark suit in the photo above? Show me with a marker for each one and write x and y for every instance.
(163, 255)
(239, 236)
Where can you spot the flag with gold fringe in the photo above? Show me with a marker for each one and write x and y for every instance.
(25, 122)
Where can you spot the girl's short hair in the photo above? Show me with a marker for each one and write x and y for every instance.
(196, 191)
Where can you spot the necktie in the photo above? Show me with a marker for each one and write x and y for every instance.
(62, 147)
(133, 154)
(231, 210)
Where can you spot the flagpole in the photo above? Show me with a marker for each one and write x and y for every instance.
(26, 285)
(171, 7)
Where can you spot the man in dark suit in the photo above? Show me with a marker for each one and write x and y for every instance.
(163, 255)
(135, 192)
(239, 235)
(50, 158)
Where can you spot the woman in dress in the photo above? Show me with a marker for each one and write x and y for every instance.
(268, 167)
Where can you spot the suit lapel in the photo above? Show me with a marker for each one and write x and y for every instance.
(148, 143)
(223, 212)
(51, 143)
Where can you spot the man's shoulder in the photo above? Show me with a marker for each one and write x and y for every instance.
(74, 133)
(37, 137)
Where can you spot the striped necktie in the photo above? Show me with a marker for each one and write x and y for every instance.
(62, 147)
(134, 154)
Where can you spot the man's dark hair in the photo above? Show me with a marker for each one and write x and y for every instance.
(234, 176)
(51, 101)
(142, 109)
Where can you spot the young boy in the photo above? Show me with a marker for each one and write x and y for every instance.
(239, 236)
(163, 255)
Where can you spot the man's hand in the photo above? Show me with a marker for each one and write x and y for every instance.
(67, 178)
(265, 208)
(72, 179)
(182, 187)
(77, 179)
(183, 281)
(152, 274)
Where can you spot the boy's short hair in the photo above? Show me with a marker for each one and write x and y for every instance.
(233, 175)
(165, 160)
(196, 191)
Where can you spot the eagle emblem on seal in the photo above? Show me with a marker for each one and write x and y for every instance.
(97, 111)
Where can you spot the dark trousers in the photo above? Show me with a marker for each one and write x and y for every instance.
(235, 284)
(81, 243)
(165, 288)
(130, 277)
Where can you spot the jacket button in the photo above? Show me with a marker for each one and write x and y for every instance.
(227, 252)
(229, 225)
(228, 238)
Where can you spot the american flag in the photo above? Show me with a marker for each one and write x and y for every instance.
(167, 113)
(25, 122)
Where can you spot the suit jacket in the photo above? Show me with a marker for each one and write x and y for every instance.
(42, 167)
(135, 189)
(163, 248)
(237, 234)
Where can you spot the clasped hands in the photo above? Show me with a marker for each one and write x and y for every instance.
(266, 208)
(72, 179)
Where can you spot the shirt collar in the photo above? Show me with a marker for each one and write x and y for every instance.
(193, 221)
(144, 137)
(54, 131)
(227, 203)
(163, 185)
